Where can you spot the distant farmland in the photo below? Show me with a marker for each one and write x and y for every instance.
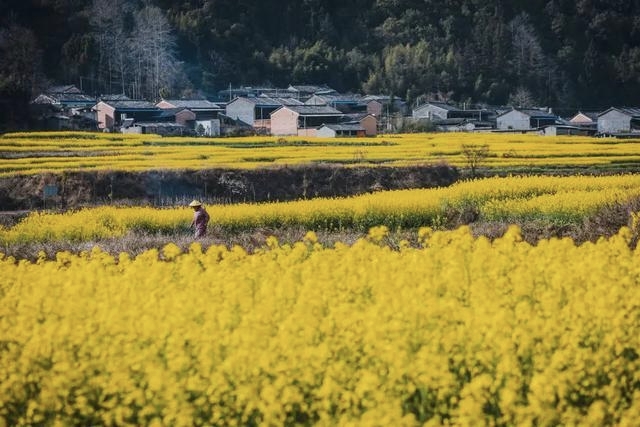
(34, 153)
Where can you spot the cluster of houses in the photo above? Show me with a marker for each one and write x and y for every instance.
(306, 110)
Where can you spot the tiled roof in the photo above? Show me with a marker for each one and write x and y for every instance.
(531, 112)
(311, 89)
(132, 105)
(314, 110)
(266, 101)
(344, 127)
(168, 112)
(339, 99)
(159, 124)
(354, 117)
(194, 104)
(538, 114)
(630, 111)
(114, 97)
(64, 98)
(442, 105)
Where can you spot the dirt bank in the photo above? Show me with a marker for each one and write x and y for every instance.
(75, 189)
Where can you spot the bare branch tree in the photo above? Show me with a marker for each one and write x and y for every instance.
(153, 46)
(475, 155)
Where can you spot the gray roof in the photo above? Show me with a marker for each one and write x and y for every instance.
(62, 95)
(451, 122)
(64, 98)
(355, 117)
(266, 101)
(114, 97)
(311, 89)
(314, 110)
(158, 124)
(338, 99)
(438, 104)
(194, 104)
(532, 112)
(379, 98)
(344, 127)
(538, 114)
(630, 111)
(169, 112)
(131, 105)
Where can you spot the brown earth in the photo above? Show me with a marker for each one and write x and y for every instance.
(165, 187)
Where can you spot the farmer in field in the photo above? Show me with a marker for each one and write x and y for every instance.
(200, 218)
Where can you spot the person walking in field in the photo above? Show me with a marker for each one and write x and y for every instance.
(200, 218)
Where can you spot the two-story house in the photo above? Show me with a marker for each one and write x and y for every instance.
(302, 120)
(206, 114)
(256, 111)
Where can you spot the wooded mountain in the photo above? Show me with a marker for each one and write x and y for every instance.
(558, 53)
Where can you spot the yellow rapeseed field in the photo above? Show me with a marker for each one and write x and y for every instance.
(461, 331)
(452, 330)
(555, 199)
(37, 152)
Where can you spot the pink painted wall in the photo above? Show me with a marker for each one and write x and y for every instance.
(370, 125)
(105, 114)
(164, 104)
(184, 116)
(284, 122)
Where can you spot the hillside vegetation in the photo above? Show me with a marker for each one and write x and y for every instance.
(563, 54)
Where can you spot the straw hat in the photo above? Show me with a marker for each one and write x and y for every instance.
(195, 203)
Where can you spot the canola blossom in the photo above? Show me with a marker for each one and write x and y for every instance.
(459, 331)
(555, 199)
(59, 152)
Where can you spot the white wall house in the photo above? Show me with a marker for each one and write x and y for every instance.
(525, 119)
(619, 120)
(256, 111)
(433, 111)
(513, 119)
(302, 120)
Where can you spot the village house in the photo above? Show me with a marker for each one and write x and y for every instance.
(581, 124)
(566, 129)
(384, 105)
(441, 110)
(584, 119)
(525, 120)
(304, 92)
(344, 103)
(64, 108)
(619, 121)
(111, 114)
(461, 125)
(228, 95)
(167, 121)
(66, 99)
(350, 125)
(302, 120)
(158, 128)
(367, 121)
(206, 121)
(340, 130)
(256, 111)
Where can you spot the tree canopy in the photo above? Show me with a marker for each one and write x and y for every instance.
(557, 53)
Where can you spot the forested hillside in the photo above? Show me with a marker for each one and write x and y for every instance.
(558, 53)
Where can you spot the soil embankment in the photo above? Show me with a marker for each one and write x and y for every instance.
(75, 189)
